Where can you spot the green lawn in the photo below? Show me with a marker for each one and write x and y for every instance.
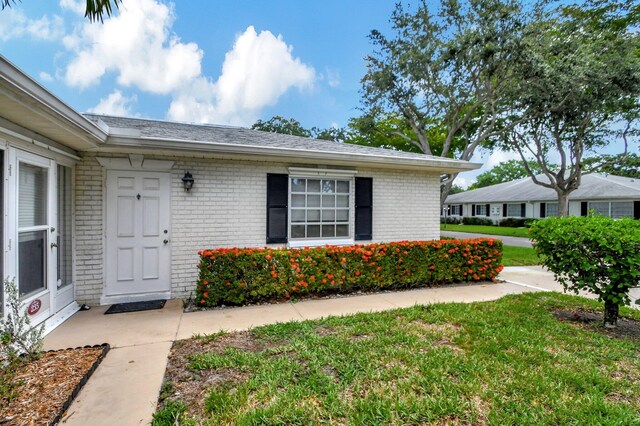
(519, 256)
(504, 362)
(486, 229)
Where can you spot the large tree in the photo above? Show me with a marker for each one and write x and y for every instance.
(291, 126)
(627, 165)
(504, 172)
(449, 68)
(579, 84)
(96, 10)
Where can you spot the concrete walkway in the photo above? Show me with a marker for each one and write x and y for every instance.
(509, 241)
(125, 387)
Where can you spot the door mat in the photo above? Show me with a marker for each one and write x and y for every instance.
(120, 308)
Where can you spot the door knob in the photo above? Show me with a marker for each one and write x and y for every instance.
(166, 241)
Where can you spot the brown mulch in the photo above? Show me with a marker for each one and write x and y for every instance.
(45, 384)
(188, 385)
(627, 327)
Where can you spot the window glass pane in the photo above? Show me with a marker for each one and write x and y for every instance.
(514, 210)
(32, 262)
(481, 210)
(328, 215)
(297, 185)
(342, 230)
(620, 209)
(328, 201)
(328, 230)
(552, 209)
(328, 186)
(313, 185)
(313, 201)
(297, 231)
(297, 215)
(313, 215)
(342, 215)
(313, 231)
(64, 226)
(32, 198)
(342, 201)
(343, 186)
(601, 208)
(297, 201)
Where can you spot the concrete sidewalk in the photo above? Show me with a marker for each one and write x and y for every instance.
(125, 387)
(508, 241)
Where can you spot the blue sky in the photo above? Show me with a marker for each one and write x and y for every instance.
(220, 62)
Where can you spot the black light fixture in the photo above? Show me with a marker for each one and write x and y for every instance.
(187, 180)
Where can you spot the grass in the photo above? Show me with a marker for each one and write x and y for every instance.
(519, 256)
(504, 362)
(487, 229)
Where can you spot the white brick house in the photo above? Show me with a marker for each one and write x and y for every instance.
(95, 209)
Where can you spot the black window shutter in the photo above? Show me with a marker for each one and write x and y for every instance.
(277, 207)
(473, 209)
(636, 209)
(461, 210)
(584, 208)
(543, 210)
(504, 210)
(523, 210)
(488, 208)
(364, 208)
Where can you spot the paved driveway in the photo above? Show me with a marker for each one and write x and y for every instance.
(509, 241)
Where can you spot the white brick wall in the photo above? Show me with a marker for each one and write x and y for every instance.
(227, 207)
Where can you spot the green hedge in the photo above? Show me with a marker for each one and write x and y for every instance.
(236, 276)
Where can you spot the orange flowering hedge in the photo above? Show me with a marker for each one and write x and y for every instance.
(238, 276)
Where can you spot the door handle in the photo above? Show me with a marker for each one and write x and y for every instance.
(54, 245)
(166, 241)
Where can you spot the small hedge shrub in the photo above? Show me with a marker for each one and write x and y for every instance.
(477, 221)
(455, 220)
(513, 222)
(238, 276)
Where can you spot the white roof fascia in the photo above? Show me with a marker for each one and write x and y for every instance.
(443, 165)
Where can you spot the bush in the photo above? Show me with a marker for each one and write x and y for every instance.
(452, 220)
(239, 276)
(592, 253)
(513, 222)
(477, 221)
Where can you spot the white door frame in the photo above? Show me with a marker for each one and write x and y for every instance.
(136, 163)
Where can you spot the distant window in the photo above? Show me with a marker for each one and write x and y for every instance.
(552, 209)
(514, 210)
(599, 207)
(456, 210)
(620, 209)
(481, 210)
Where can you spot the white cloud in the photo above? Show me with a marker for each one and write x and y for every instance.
(138, 45)
(15, 24)
(46, 77)
(256, 72)
(115, 104)
(333, 77)
(76, 6)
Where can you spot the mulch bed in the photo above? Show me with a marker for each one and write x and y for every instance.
(627, 327)
(47, 386)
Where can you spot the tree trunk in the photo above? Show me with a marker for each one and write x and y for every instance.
(610, 314)
(563, 204)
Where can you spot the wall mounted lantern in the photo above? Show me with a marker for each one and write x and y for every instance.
(187, 180)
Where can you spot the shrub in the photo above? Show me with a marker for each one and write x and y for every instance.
(477, 221)
(592, 253)
(239, 276)
(454, 220)
(513, 222)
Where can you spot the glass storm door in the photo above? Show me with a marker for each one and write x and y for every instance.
(35, 252)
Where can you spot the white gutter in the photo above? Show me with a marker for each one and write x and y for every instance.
(439, 164)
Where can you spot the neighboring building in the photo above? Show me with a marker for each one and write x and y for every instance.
(97, 209)
(609, 195)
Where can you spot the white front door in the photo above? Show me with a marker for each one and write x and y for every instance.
(138, 254)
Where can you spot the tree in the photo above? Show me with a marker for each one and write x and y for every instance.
(504, 172)
(579, 81)
(278, 124)
(627, 165)
(95, 10)
(451, 71)
(593, 253)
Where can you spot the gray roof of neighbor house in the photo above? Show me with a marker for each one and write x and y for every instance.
(206, 137)
(594, 186)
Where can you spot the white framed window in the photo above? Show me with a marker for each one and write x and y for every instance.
(620, 209)
(514, 210)
(599, 207)
(481, 210)
(551, 209)
(319, 209)
(456, 210)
